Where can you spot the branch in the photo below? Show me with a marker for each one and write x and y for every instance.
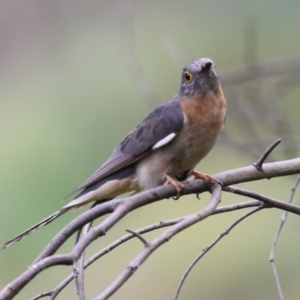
(140, 237)
(205, 250)
(46, 294)
(120, 207)
(272, 254)
(261, 160)
(160, 240)
(80, 270)
(125, 238)
(295, 209)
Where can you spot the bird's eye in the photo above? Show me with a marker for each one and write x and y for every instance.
(188, 76)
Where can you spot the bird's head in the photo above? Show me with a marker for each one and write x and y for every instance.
(199, 78)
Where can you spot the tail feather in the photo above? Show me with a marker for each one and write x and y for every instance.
(34, 228)
(107, 188)
(74, 204)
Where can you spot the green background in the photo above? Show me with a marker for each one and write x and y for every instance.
(68, 97)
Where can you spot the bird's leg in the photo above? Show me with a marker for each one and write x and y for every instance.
(206, 177)
(178, 185)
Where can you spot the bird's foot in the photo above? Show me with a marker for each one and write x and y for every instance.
(178, 185)
(206, 178)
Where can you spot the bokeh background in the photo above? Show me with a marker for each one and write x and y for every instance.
(77, 76)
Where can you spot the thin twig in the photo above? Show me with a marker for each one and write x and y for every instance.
(74, 268)
(80, 270)
(140, 237)
(206, 249)
(261, 160)
(42, 295)
(79, 280)
(273, 249)
(267, 200)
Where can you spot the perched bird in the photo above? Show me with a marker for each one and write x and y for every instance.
(164, 148)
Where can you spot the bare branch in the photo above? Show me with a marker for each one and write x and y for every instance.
(80, 270)
(271, 202)
(272, 254)
(250, 173)
(162, 224)
(206, 249)
(161, 239)
(261, 160)
(140, 237)
(120, 207)
(46, 294)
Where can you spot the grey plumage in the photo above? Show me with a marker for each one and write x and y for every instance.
(165, 119)
(166, 145)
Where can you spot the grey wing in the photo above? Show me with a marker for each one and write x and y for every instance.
(156, 130)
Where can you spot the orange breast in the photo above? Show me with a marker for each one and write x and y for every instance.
(209, 109)
(204, 118)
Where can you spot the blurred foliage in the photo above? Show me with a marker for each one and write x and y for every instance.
(68, 98)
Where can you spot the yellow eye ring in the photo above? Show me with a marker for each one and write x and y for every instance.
(188, 76)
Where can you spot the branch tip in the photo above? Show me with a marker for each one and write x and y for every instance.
(258, 164)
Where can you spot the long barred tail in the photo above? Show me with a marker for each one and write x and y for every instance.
(34, 228)
(79, 201)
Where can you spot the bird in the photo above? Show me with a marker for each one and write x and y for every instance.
(163, 149)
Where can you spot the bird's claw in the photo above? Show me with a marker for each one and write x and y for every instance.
(207, 178)
(177, 184)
